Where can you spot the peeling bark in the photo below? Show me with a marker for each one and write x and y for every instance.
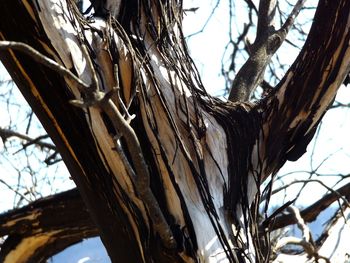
(45, 227)
(308, 88)
(202, 159)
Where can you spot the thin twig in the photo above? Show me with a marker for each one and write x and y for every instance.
(42, 59)
(206, 22)
(7, 133)
(15, 191)
(292, 16)
(120, 101)
(306, 241)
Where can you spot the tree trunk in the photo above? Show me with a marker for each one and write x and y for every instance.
(167, 172)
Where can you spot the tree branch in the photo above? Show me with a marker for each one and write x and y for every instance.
(140, 173)
(7, 133)
(310, 213)
(42, 59)
(251, 5)
(266, 16)
(292, 16)
(267, 42)
(318, 72)
(49, 95)
(61, 220)
(94, 97)
(306, 242)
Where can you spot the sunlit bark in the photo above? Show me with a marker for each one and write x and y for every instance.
(165, 170)
(45, 227)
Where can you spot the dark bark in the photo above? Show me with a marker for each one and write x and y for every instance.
(310, 213)
(303, 96)
(47, 95)
(175, 131)
(45, 227)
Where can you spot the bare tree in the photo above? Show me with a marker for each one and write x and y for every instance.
(167, 172)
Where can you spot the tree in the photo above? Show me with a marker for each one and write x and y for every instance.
(165, 170)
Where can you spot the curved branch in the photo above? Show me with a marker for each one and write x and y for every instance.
(306, 242)
(7, 133)
(42, 59)
(310, 213)
(333, 244)
(309, 87)
(45, 227)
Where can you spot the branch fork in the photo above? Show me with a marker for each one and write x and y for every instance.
(93, 97)
(267, 42)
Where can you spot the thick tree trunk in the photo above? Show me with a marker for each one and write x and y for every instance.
(176, 185)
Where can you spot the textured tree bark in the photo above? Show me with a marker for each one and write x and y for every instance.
(177, 183)
(42, 229)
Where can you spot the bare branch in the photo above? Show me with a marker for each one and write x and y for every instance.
(292, 16)
(338, 104)
(267, 42)
(141, 177)
(140, 174)
(40, 58)
(267, 10)
(207, 21)
(61, 220)
(96, 97)
(7, 133)
(302, 226)
(310, 213)
(14, 190)
(251, 5)
(306, 242)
